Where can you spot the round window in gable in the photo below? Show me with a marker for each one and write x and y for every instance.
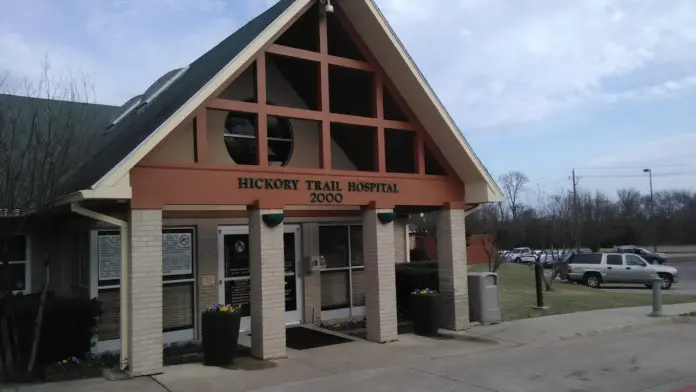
(240, 139)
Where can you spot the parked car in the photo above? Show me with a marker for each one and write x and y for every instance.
(594, 269)
(651, 257)
(547, 260)
(521, 255)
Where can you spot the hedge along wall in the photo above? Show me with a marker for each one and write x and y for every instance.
(69, 325)
(413, 276)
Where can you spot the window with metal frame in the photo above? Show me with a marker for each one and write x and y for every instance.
(342, 282)
(178, 280)
(16, 249)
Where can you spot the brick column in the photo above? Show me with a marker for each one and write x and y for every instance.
(451, 254)
(146, 292)
(380, 285)
(266, 264)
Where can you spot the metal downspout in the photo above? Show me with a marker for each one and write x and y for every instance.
(125, 282)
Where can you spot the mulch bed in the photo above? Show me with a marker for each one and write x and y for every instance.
(358, 329)
(301, 338)
(91, 366)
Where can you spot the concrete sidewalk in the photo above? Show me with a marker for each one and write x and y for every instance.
(578, 324)
(404, 365)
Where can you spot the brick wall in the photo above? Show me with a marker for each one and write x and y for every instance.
(400, 255)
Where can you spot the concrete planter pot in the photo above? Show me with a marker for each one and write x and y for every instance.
(425, 313)
(220, 333)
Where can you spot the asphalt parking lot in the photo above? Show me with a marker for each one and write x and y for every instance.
(687, 280)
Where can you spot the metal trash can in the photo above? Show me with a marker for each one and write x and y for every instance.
(484, 297)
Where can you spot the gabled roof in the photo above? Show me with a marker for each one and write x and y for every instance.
(138, 133)
(135, 128)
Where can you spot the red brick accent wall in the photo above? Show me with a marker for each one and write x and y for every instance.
(475, 250)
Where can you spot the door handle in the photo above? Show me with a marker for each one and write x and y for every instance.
(609, 268)
(628, 268)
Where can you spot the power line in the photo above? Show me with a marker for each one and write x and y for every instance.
(633, 167)
(667, 174)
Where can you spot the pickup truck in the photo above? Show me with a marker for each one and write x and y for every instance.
(594, 269)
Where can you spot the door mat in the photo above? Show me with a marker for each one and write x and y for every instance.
(301, 338)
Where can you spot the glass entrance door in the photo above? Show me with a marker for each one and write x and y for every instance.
(235, 282)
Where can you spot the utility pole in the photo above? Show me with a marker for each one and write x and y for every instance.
(575, 213)
(652, 211)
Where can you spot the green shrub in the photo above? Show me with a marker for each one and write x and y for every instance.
(424, 264)
(69, 325)
(410, 277)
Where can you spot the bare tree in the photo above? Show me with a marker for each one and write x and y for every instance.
(512, 184)
(47, 128)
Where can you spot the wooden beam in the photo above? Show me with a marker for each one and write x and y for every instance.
(324, 95)
(381, 148)
(201, 127)
(262, 117)
(419, 153)
(287, 51)
(364, 49)
(304, 114)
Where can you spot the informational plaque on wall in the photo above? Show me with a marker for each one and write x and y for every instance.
(109, 253)
(238, 292)
(177, 253)
(290, 293)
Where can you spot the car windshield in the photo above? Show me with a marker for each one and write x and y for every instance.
(641, 250)
(519, 250)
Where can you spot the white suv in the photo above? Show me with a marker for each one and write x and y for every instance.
(521, 255)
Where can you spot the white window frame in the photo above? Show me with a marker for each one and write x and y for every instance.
(350, 311)
(27, 265)
(167, 337)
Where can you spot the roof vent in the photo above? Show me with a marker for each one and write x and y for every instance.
(125, 109)
(162, 84)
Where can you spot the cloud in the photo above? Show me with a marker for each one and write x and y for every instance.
(493, 62)
(505, 62)
(660, 151)
(121, 45)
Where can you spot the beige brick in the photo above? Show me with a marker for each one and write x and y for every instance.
(451, 251)
(146, 292)
(266, 259)
(380, 289)
(400, 255)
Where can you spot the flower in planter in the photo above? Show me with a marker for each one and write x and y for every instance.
(424, 292)
(223, 308)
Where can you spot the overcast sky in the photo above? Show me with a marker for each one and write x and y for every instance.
(605, 86)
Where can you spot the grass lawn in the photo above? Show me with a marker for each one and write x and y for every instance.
(518, 295)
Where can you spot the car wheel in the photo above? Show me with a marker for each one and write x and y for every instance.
(517, 260)
(666, 282)
(592, 280)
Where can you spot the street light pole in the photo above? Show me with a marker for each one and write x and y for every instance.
(652, 210)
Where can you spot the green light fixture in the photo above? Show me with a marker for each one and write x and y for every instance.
(273, 220)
